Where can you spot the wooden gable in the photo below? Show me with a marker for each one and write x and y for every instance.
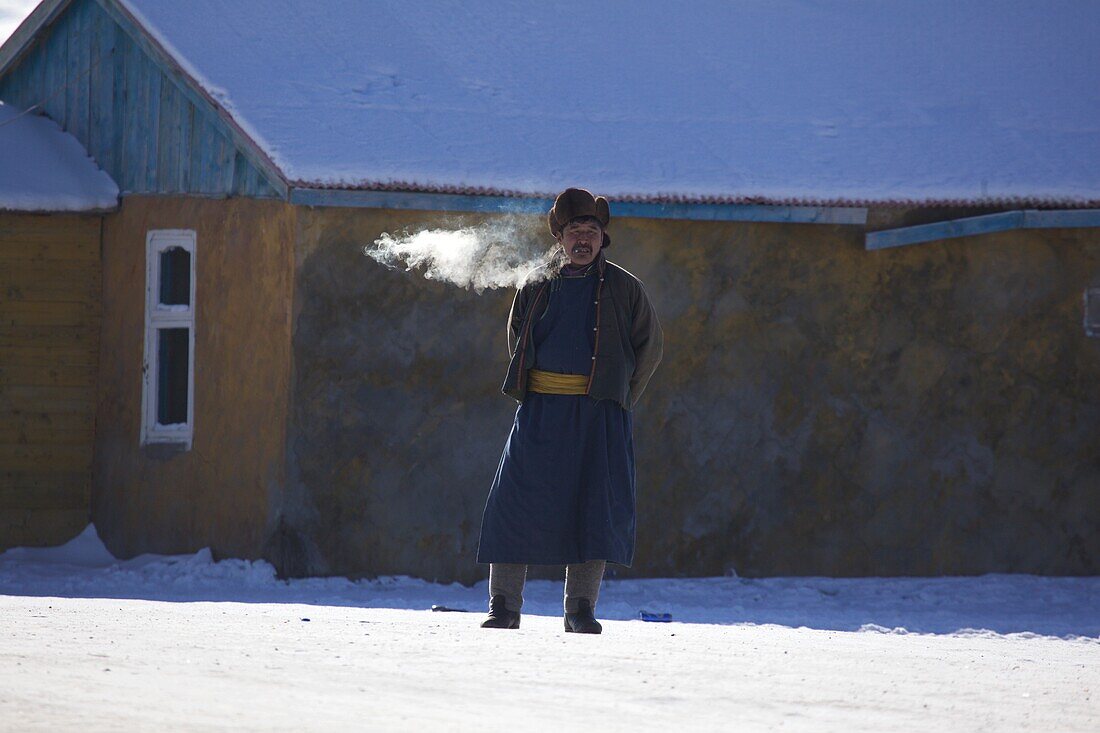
(90, 67)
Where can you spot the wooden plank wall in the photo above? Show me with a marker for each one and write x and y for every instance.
(50, 274)
(136, 121)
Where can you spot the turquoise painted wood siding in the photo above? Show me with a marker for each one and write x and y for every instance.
(139, 123)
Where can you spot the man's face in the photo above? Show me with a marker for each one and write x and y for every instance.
(581, 239)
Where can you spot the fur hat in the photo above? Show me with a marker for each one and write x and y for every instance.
(574, 202)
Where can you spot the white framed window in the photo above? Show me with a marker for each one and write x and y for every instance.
(168, 366)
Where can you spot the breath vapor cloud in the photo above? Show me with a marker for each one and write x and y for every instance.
(496, 254)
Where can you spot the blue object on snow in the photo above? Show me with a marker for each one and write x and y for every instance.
(663, 618)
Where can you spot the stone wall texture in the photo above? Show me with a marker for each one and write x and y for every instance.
(225, 492)
(821, 409)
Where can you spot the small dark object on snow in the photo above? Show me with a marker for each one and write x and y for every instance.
(305, 619)
(499, 616)
(582, 622)
(662, 618)
(437, 607)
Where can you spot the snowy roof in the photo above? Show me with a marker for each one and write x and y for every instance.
(777, 101)
(43, 168)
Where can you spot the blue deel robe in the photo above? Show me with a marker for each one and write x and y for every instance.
(564, 490)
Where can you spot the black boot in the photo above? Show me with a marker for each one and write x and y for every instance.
(499, 616)
(582, 622)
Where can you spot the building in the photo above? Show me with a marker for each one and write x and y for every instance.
(52, 201)
(832, 402)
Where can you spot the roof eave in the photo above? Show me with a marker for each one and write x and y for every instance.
(702, 211)
(93, 211)
(398, 190)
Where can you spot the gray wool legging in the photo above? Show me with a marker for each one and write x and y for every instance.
(582, 580)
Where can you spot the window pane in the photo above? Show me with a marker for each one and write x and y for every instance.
(172, 350)
(175, 276)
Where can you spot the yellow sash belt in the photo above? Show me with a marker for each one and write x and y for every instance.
(554, 383)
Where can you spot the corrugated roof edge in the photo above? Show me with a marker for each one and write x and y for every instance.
(1032, 202)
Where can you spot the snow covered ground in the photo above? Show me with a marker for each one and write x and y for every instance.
(186, 643)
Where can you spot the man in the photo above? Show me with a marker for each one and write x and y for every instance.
(584, 341)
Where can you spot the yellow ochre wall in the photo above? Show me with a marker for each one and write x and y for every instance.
(825, 410)
(821, 409)
(221, 492)
(49, 328)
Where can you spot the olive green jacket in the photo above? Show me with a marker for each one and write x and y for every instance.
(629, 340)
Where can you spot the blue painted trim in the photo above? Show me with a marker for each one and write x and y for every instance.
(1067, 218)
(456, 202)
(944, 230)
(744, 212)
(970, 226)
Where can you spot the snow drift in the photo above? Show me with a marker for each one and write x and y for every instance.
(989, 605)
